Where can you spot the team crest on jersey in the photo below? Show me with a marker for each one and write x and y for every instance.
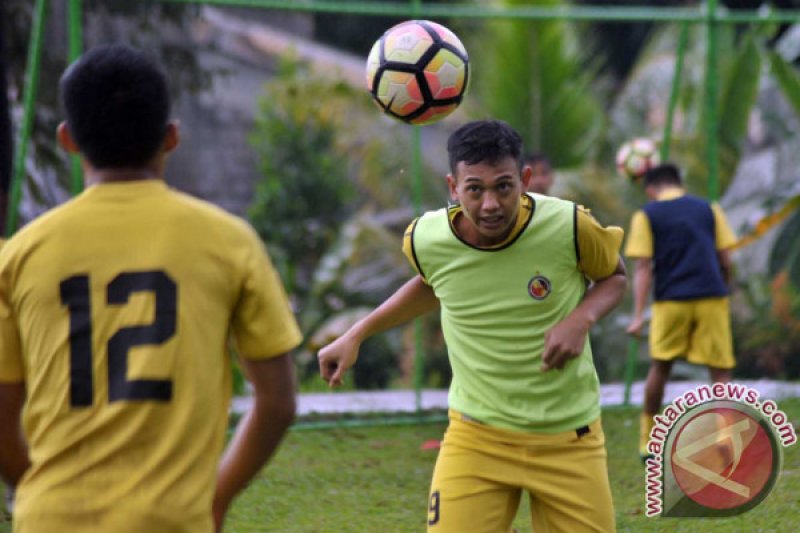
(539, 287)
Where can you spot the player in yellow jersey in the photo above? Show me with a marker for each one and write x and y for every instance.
(507, 271)
(681, 247)
(116, 311)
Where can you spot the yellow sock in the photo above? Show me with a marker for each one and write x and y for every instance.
(646, 424)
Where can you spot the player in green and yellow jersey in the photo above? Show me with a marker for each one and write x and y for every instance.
(508, 272)
(116, 311)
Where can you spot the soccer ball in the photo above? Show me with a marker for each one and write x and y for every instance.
(418, 72)
(636, 157)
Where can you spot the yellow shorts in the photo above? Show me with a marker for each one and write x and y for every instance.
(699, 330)
(481, 471)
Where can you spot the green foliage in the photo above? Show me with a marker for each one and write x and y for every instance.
(785, 254)
(737, 99)
(766, 330)
(305, 193)
(238, 381)
(787, 77)
(532, 76)
(377, 364)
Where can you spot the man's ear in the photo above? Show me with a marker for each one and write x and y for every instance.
(172, 138)
(452, 186)
(65, 139)
(525, 176)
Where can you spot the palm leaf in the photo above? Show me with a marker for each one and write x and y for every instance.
(738, 97)
(787, 77)
(533, 78)
(785, 254)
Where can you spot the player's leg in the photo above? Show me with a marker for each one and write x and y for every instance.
(712, 340)
(568, 484)
(657, 378)
(719, 375)
(670, 329)
(473, 487)
(711, 344)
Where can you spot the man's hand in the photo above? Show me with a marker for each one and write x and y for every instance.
(413, 299)
(635, 327)
(337, 357)
(565, 341)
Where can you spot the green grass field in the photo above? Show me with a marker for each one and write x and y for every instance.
(376, 480)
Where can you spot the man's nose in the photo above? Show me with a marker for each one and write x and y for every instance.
(490, 201)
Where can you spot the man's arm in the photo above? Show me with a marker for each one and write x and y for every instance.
(566, 340)
(260, 431)
(642, 279)
(413, 299)
(14, 459)
(725, 265)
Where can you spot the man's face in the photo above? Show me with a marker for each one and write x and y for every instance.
(489, 195)
(541, 178)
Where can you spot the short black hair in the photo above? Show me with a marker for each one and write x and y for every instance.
(484, 140)
(116, 102)
(663, 174)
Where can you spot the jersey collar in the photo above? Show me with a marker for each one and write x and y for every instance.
(526, 208)
(670, 193)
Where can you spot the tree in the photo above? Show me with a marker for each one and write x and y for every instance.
(533, 76)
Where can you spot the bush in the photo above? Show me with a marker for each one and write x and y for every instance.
(767, 331)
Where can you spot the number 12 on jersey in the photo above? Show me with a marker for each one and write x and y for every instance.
(76, 296)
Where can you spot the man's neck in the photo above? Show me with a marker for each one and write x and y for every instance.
(120, 175)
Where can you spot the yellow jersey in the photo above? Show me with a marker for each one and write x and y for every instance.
(640, 235)
(116, 310)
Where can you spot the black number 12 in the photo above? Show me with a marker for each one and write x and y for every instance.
(75, 295)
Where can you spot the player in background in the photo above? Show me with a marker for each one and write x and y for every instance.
(680, 244)
(506, 270)
(541, 173)
(116, 311)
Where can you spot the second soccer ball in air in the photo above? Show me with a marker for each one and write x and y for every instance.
(636, 157)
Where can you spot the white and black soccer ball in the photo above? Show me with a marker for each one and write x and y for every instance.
(636, 157)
